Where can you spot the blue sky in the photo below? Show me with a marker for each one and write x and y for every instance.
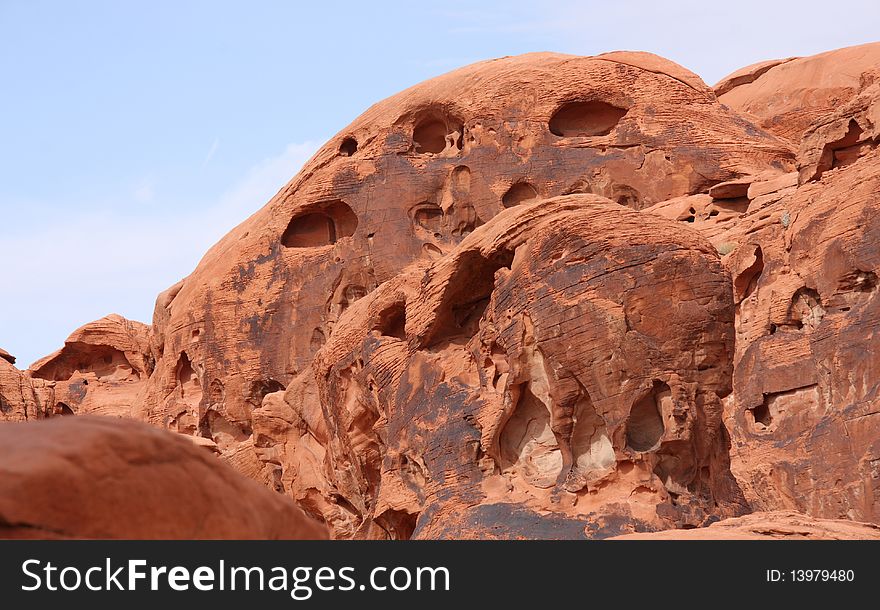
(134, 134)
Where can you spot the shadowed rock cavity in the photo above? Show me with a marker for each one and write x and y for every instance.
(593, 118)
(320, 225)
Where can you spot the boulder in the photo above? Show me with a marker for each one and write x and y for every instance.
(96, 477)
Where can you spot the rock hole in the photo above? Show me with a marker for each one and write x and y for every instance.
(62, 408)
(260, 388)
(747, 281)
(432, 251)
(761, 416)
(188, 381)
(831, 158)
(433, 135)
(853, 288)
(392, 321)
(858, 281)
(318, 339)
(467, 294)
(592, 118)
(805, 309)
(398, 524)
(320, 225)
(521, 192)
(645, 427)
(225, 433)
(592, 451)
(104, 361)
(428, 216)
(527, 443)
(348, 147)
(626, 196)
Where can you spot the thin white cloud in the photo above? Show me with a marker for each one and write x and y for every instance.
(214, 146)
(260, 183)
(144, 192)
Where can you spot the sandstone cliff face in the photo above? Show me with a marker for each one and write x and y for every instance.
(89, 477)
(538, 297)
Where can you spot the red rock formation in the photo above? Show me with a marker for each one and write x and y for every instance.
(407, 181)
(100, 370)
(804, 410)
(539, 297)
(568, 357)
(4, 355)
(804, 262)
(91, 477)
(780, 525)
(786, 96)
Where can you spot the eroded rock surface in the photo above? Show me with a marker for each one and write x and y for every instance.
(406, 182)
(542, 296)
(100, 370)
(803, 255)
(20, 398)
(92, 477)
(569, 357)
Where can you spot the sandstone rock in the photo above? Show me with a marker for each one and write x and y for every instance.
(101, 368)
(560, 369)
(843, 136)
(732, 189)
(407, 181)
(20, 400)
(779, 525)
(790, 95)
(805, 386)
(538, 297)
(747, 75)
(712, 217)
(4, 355)
(91, 477)
(803, 411)
(771, 184)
